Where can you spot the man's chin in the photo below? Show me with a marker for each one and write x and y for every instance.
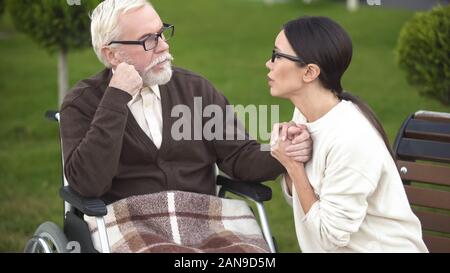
(157, 70)
(158, 77)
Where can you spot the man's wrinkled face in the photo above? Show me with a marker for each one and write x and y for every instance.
(154, 65)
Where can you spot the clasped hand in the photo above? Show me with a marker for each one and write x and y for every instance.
(290, 143)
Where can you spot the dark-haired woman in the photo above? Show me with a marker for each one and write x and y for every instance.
(349, 197)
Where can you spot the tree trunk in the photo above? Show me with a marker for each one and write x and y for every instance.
(352, 5)
(63, 82)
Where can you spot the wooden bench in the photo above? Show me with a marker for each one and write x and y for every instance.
(422, 151)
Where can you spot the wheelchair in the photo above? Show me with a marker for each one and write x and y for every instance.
(75, 236)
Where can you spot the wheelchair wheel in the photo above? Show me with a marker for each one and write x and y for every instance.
(48, 238)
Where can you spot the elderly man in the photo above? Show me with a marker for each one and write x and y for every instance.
(116, 126)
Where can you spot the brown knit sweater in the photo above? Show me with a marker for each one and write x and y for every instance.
(107, 155)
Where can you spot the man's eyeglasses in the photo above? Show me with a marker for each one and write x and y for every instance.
(151, 41)
(276, 55)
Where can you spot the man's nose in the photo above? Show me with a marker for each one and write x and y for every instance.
(162, 45)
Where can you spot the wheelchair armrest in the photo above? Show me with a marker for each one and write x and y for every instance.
(52, 115)
(253, 190)
(89, 206)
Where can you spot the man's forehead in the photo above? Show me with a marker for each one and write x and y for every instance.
(138, 22)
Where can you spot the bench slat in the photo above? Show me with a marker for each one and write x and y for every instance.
(428, 197)
(433, 221)
(424, 149)
(433, 116)
(437, 244)
(428, 130)
(424, 172)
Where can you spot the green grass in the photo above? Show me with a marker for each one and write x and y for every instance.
(228, 42)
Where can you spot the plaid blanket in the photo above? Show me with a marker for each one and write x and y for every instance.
(176, 221)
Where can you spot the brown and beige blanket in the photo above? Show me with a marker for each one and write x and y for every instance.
(176, 221)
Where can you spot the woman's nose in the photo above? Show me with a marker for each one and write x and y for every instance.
(269, 64)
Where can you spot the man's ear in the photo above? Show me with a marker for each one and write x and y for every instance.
(111, 56)
(311, 73)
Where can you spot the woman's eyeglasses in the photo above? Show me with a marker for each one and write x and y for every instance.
(276, 55)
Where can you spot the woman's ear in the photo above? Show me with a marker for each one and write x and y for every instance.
(312, 72)
(110, 55)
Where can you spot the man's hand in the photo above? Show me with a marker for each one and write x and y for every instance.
(278, 151)
(126, 78)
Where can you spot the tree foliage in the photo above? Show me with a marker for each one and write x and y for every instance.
(54, 24)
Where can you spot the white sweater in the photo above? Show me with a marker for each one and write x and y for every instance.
(362, 204)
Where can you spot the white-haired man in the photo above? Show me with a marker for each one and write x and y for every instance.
(116, 126)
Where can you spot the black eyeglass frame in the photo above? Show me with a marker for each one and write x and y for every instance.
(154, 36)
(276, 54)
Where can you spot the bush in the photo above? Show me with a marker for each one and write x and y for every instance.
(423, 52)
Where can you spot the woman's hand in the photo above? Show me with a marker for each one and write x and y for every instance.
(300, 148)
(295, 140)
(287, 148)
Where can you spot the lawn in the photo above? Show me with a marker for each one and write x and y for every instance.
(228, 42)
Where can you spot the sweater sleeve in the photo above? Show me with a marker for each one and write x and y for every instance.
(92, 145)
(350, 178)
(238, 155)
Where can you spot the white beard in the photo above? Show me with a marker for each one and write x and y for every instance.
(162, 77)
(151, 78)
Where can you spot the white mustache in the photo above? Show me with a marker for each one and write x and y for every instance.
(160, 59)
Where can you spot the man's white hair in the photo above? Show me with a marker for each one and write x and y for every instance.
(104, 23)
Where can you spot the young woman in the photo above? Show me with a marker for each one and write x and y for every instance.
(349, 197)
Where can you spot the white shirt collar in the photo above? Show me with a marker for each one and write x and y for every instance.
(155, 89)
(137, 96)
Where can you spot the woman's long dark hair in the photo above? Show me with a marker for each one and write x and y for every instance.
(321, 41)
